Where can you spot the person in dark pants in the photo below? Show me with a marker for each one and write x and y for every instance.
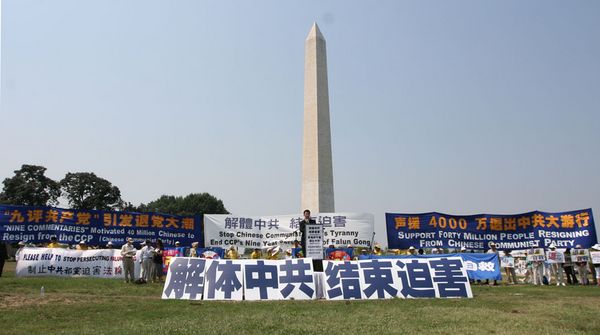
(568, 266)
(303, 223)
(3, 256)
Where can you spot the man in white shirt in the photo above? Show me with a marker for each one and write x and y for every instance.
(128, 252)
(147, 255)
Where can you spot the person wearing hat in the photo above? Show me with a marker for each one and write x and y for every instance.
(364, 255)
(109, 245)
(146, 260)
(377, 250)
(556, 269)
(128, 251)
(596, 248)
(412, 251)
(81, 245)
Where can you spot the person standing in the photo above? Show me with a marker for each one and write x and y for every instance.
(538, 272)
(568, 267)
(146, 260)
(157, 260)
(582, 269)
(556, 269)
(128, 251)
(511, 275)
(528, 272)
(493, 250)
(303, 223)
(596, 247)
(3, 256)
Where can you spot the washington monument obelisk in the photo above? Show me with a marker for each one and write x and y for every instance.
(317, 167)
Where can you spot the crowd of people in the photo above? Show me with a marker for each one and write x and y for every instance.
(536, 272)
(151, 261)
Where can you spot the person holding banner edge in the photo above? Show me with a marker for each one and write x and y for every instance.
(303, 223)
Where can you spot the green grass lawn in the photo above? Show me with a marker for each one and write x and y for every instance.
(105, 306)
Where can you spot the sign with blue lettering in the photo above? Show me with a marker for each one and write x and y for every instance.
(261, 280)
(223, 280)
(35, 224)
(475, 232)
(185, 279)
(296, 279)
(278, 279)
(406, 277)
(342, 280)
(217, 279)
(384, 278)
(479, 266)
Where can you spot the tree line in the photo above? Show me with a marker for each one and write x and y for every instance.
(85, 190)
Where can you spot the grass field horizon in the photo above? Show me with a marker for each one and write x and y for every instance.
(106, 306)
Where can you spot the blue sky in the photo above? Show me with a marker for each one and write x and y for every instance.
(460, 107)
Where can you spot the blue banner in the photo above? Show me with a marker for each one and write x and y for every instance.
(479, 266)
(34, 224)
(475, 232)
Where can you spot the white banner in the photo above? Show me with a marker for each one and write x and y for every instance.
(218, 279)
(314, 241)
(101, 263)
(339, 229)
(580, 255)
(385, 278)
(555, 257)
(536, 255)
(595, 257)
(507, 262)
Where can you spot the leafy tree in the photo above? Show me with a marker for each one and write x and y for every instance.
(192, 204)
(85, 190)
(30, 187)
